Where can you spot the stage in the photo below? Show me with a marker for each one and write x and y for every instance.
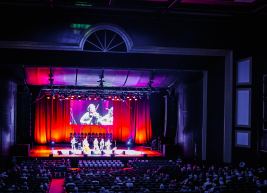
(63, 150)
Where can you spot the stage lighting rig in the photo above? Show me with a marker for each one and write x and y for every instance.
(85, 92)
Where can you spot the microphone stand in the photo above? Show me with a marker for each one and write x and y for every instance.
(73, 120)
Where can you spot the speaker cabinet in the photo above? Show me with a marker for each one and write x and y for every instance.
(24, 117)
(170, 150)
(171, 116)
(22, 150)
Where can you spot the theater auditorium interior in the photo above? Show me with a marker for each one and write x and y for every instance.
(133, 96)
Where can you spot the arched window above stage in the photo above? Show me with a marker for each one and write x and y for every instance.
(105, 37)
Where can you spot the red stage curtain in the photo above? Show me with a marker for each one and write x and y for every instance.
(131, 121)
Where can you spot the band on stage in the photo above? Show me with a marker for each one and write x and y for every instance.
(96, 148)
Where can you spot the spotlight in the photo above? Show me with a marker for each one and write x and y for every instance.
(52, 142)
(135, 99)
(129, 143)
(130, 99)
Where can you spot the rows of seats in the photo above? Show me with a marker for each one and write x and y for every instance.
(27, 176)
(149, 164)
(105, 164)
(56, 167)
(165, 176)
(90, 137)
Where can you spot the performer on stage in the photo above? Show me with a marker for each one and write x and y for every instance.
(91, 117)
(108, 144)
(95, 143)
(73, 143)
(102, 143)
(96, 147)
(86, 148)
(108, 118)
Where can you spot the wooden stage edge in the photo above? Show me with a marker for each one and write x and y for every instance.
(64, 152)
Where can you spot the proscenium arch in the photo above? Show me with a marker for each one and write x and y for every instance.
(106, 26)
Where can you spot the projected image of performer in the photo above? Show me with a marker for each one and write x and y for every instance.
(108, 118)
(91, 117)
(73, 143)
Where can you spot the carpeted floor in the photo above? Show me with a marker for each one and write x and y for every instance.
(56, 186)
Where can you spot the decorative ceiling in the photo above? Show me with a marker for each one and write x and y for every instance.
(203, 9)
(90, 77)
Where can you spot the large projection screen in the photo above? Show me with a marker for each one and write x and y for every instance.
(90, 112)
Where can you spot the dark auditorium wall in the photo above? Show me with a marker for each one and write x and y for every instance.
(251, 41)
(44, 27)
(54, 28)
(8, 99)
(190, 112)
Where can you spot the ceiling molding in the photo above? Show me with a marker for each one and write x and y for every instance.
(133, 49)
(106, 26)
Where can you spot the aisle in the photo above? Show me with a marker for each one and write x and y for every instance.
(56, 186)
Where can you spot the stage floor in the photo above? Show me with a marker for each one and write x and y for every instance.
(136, 151)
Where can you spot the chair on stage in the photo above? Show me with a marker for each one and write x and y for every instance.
(100, 136)
(74, 135)
(104, 136)
(71, 136)
(96, 136)
(89, 138)
(81, 136)
(78, 136)
(107, 136)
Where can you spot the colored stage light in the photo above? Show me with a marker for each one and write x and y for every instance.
(130, 99)
(129, 143)
(113, 99)
(48, 97)
(135, 99)
(118, 99)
